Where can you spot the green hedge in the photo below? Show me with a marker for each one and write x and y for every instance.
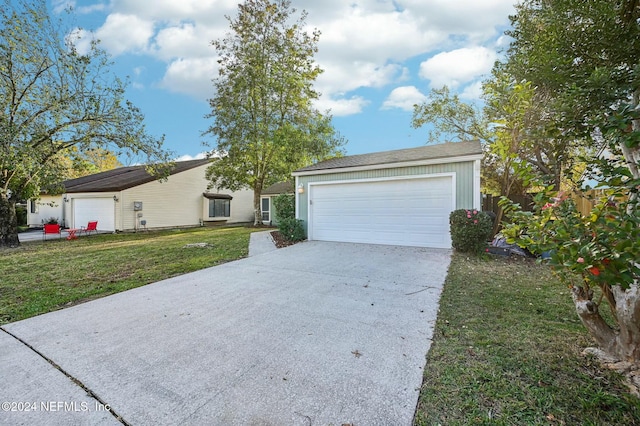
(291, 229)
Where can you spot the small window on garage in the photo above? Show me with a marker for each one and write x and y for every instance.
(33, 206)
(219, 205)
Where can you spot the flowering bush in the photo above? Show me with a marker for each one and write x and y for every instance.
(470, 230)
(600, 251)
(602, 248)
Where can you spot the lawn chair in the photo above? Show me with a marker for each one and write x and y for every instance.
(91, 226)
(51, 229)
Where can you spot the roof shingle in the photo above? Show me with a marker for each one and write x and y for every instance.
(429, 152)
(279, 188)
(122, 178)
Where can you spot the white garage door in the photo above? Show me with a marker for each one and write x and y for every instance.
(87, 210)
(409, 212)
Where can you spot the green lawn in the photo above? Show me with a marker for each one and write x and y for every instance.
(40, 277)
(506, 351)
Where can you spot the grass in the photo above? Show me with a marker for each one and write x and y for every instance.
(507, 351)
(40, 277)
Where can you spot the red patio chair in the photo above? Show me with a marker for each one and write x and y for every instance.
(51, 229)
(91, 226)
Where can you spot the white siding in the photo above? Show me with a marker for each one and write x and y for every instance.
(47, 206)
(172, 203)
(241, 206)
(176, 202)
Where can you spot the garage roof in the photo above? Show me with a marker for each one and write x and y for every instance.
(123, 178)
(429, 152)
(279, 188)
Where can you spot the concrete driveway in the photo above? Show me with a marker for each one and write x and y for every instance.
(313, 334)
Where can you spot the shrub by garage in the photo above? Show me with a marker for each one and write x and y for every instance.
(470, 230)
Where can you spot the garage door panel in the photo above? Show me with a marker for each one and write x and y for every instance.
(91, 209)
(401, 212)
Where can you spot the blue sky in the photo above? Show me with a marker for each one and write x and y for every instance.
(379, 56)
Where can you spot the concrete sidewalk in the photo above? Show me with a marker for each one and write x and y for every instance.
(315, 333)
(261, 243)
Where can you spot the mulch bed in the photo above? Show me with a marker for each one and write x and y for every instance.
(280, 240)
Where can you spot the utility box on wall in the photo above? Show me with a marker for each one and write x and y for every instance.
(137, 206)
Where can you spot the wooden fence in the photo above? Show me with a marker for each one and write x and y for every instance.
(490, 202)
(584, 201)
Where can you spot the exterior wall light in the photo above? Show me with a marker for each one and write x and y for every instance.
(115, 198)
(301, 189)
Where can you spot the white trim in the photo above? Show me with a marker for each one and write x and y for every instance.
(297, 201)
(428, 162)
(477, 201)
(310, 186)
(268, 198)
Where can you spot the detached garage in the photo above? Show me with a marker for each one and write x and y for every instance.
(401, 197)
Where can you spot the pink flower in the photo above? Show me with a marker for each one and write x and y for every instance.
(580, 260)
(475, 212)
(475, 221)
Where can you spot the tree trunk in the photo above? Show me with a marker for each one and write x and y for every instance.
(257, 207)
(8, 222)
(628, 314)
(619, 345)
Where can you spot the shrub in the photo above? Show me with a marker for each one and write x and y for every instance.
(51, 221)
(291, 229)
(21, 215)
(470, 230)
(285, 206)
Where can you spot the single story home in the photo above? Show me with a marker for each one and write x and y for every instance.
(269, 214)
(129, 198)
(400, 197)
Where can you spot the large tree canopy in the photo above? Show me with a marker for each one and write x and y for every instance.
(264, 120)
(585, 56)
(52, 100)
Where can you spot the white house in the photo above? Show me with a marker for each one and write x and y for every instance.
(129, 198)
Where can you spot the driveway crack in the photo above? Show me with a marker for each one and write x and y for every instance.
(75, 380)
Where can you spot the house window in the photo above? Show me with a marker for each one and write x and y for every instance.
(265, 209)
(219, 207)
(33, 207)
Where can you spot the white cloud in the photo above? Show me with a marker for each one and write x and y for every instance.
(378, 37)
(60, 6)
(341, 107)
(457, 67)
(473, 91)
(185, 40)
(124, 33)
(187, 157)
(339, 78)
(212, 11)
(364, 43)
(404, 97)
(473, 20)
(191, 76)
